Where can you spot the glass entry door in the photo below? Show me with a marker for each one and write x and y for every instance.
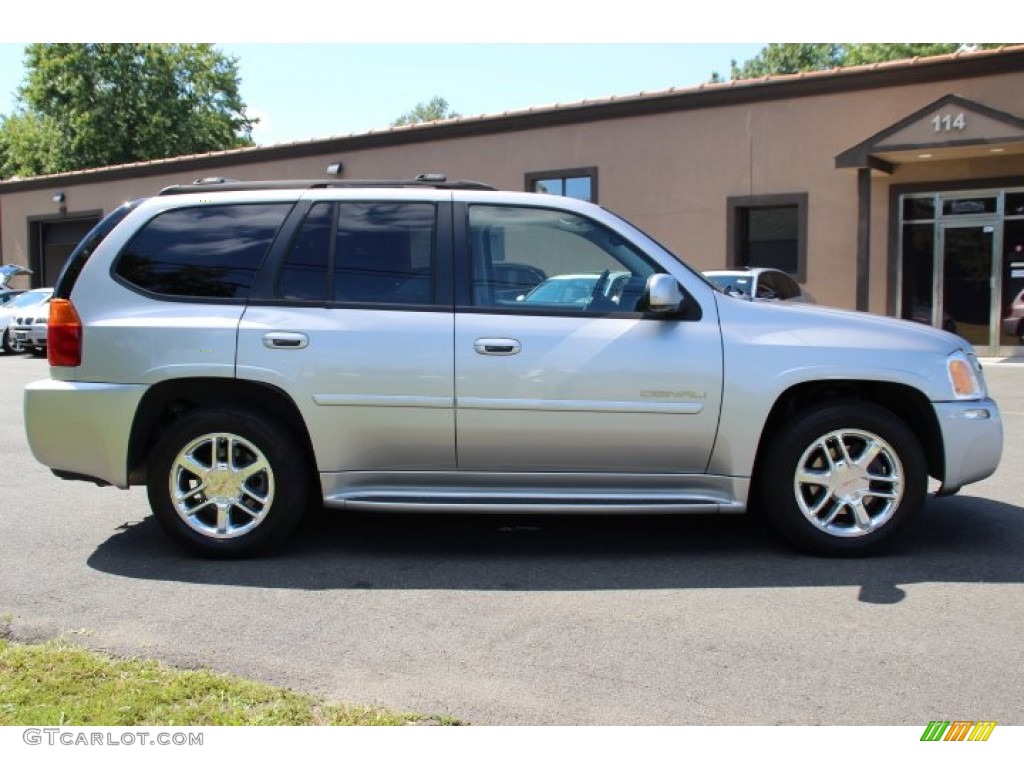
(968, 269)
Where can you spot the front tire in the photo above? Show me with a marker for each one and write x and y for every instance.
(842, 478)
(228, 483)
(11, 347)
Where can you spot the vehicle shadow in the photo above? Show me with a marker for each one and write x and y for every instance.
(958, 539)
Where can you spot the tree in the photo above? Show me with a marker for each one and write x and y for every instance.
(86, 105)
(435, 109)
(790, 58)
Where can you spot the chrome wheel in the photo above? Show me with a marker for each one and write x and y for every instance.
(221, 485)
(849, 483)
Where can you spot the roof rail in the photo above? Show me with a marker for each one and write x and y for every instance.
(220, 184)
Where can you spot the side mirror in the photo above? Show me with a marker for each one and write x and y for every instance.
(663, 294)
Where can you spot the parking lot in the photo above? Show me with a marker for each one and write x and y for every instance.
(567, 620)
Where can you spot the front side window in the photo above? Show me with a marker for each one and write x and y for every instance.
(769, 231)
(538, 260)
(210, 251)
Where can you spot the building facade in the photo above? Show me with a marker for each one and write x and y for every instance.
(894, 188)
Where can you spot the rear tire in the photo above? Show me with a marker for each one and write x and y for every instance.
(842, 479)
(228, 483)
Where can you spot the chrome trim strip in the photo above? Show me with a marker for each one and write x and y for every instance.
(394, 401)
(594, 406)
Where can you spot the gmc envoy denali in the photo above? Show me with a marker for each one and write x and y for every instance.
(247, 349)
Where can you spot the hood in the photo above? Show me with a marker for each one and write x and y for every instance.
(811, 325)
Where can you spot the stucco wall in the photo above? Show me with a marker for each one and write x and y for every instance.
(671, 174)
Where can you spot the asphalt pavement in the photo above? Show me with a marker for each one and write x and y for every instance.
(567, 620)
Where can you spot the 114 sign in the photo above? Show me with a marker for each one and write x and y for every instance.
(949, 122)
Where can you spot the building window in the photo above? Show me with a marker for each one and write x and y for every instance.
(580, 183)
(769, 231)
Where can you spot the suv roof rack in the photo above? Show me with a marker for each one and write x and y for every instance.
(221, 184)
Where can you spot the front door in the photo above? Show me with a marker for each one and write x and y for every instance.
(568, 374)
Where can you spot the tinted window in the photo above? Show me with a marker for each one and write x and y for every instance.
(212, 251)
(304, 272)
(767, 287)
(573, 263)
(384, 253)
(788, 288)
(768, 237)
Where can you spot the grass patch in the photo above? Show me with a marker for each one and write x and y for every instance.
(60, 684)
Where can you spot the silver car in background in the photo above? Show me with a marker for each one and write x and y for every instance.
(759, 284)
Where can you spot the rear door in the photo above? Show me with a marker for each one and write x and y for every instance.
(354, 321)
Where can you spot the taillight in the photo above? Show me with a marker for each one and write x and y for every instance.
(64, 334)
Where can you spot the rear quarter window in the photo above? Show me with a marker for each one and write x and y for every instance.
(210, 251)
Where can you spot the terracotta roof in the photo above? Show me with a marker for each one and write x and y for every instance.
(740, 89)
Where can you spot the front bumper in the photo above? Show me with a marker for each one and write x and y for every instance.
(972, 434)
(82, 428)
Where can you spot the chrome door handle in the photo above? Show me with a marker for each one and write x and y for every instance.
(285, 340)
(497, 346)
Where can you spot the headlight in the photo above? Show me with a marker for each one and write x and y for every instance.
(965, 376)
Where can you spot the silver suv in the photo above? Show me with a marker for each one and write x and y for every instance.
(245, 349)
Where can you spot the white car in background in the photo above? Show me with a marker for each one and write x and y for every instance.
(760, 283)
(30, 303)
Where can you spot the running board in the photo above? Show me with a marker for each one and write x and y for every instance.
(529, 504)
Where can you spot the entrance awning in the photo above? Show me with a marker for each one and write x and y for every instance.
(951, 128)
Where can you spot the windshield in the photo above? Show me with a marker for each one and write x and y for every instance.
(732, 283)
(29, 298)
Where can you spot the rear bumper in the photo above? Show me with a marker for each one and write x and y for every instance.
(79, 428)
(972, 434)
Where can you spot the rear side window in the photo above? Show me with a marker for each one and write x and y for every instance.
(384, 253)
(211, 251)
(362, 253)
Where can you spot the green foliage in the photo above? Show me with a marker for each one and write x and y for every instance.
(86, 105)
(870, 53)
(790, 58)
(59, 684)
(435, 109)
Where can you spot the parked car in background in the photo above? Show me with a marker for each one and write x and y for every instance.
(513, 280)
(760, 283)
(28, 328)
(18, 308)
(1013, 323)
(578, 290)
(9, 294)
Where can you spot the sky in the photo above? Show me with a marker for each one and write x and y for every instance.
(333, 68)
(314, 90)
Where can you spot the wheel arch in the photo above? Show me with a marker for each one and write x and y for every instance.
(907, 403)
(166, 402)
